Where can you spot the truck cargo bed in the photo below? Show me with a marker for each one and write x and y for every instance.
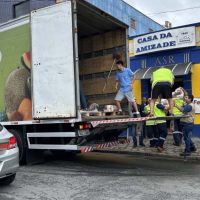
(108, 117)
(98, 42)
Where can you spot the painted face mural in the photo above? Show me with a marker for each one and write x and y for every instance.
(15, 70)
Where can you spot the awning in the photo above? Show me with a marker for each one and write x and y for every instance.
(178, 70)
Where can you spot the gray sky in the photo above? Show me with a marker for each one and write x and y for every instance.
(178, 18)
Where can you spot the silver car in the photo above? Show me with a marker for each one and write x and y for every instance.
(9, 156)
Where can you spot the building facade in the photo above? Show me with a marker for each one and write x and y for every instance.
(138, 22)
(176, 48)
(13, 9)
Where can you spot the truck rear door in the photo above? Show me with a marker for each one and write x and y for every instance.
(53, 65)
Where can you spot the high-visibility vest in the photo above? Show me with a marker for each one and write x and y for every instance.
(149, 122)
(162, 75)
(159, 113)
(179, 102)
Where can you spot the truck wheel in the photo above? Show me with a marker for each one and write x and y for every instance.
(7, 180)
(21, 146)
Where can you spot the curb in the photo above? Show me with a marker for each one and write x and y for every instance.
(153, 155)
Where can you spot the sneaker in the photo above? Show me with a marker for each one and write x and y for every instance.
(118, 111)
(175, 144)
(134, 145)
(185, 153)
(136, 114)
(142, 145)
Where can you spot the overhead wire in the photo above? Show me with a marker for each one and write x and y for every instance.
(171, 11)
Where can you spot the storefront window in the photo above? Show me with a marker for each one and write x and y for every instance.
(133, 23)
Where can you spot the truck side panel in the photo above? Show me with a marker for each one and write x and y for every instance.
(15, 100)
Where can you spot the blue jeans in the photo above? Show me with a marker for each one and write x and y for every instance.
(187, 133)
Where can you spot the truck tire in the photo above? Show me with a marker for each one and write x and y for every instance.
(21, 146)
(7, 180)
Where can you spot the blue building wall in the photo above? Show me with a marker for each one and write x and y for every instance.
(125, 13)
(6, 10)
(35, 4)
(7, 7)
(116, 8)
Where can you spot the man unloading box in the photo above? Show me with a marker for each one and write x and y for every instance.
(162, 81)
(125, 79)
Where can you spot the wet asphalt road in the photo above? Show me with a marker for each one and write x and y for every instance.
(96, 176)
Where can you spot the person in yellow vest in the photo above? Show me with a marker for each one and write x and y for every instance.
(162, 81)
(178, 96)
(160, 110)
(151, 127)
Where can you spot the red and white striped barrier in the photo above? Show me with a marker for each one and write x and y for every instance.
(104, 145)
(139, 119)
(86, 149)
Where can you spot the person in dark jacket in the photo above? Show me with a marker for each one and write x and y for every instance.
(143, 104)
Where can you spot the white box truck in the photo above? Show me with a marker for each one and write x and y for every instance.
(43, 58)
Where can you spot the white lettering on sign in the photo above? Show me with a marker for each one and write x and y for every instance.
(165, 60)
(163, 40)
(196, 102)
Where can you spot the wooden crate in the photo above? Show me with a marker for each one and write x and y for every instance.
(114, 38)
(95, 86)
(98, 64)
(109, 41)
(98, 42)
(91, 65)
(105, 101)
(85, 45)
(91, 113)
(120, 38)
(106, 40)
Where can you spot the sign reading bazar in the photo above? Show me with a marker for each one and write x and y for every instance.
(165, 40)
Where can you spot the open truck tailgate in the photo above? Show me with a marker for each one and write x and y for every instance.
(53, 71)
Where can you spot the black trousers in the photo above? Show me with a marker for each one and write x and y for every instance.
(177, 133)
(152, 134)
(162, 131)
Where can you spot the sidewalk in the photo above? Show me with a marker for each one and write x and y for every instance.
(171, 152)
